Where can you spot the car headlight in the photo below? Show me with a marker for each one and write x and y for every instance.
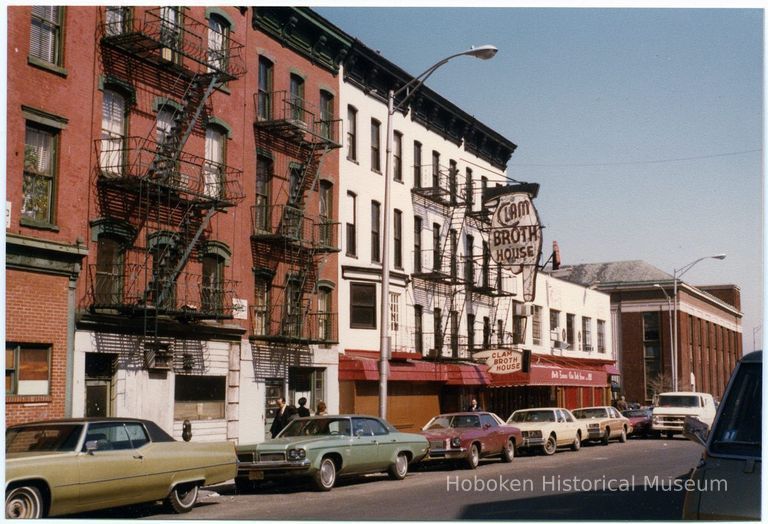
(297, 454)
(594, 426)
(532, 434)
(655, 419)
(456, 442)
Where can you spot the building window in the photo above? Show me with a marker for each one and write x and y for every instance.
(394, 313)
(536, 325)
(437, 318)
(570, 330)
(586, 331)
(454, 334)
(486, 268)
(264, 97)
(469, 190)
(295, 184)
(375, 232)
(601, 336)
(27, 369)
(108, 290)
(362, 305)
(293, 313)
(199, 398)
(397, 157)
(351, 226)
(554, 324)
(261, 306)
(296, 101)
(116, 20)
(486, 333)
(40, 150)
(398, 238)
(500, 332)
(170, 32)
(435, 169)
(218, 42)
(213, 168)
(454, 253)
(518, 324)
(212, 291)
(264, 171)
(436, 256)
(469, 260)
(376, 145)
(418, 328)
(326, 115)
(324, 313)
(470, 333)
(453, 185)
(45, 35)
(351, 133)
(325, 235)
(113, 126)
(417, 244)
(654, 379)
(416, 164)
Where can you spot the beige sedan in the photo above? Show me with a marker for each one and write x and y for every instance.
(74, 465)
(604, 423)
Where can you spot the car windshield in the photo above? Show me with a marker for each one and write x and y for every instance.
(590, 413)
(454, 421)
(678, 401)
(45, 437)
(317, 426)
(738, 431)
(533, 416)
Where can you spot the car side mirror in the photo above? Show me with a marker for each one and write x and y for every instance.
(695, 430)
(91, 446)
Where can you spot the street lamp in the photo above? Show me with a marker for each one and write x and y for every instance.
(669, 311)
(483, 52)
(677, 274)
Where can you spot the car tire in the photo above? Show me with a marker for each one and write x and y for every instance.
(182, 498)
(576, 446)
(24, 502)
(550, 446)
(623, 436)
(399, 469)
(508, 451)
(325, 477)
(473, 459)
(606, 437)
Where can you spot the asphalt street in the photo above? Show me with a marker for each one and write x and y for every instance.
(636, 480)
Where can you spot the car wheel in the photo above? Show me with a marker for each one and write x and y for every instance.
(576, 446)
(24, 502)
(508, 451)
(399, 469)
(607, 436)
(182, 498)
(473, 459)
(325, 477)
(623, 436)
(550, 446)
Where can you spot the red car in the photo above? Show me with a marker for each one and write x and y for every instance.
(640, 419)
(470, 436)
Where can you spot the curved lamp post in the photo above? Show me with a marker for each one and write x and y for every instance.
(677, 274)
(483, 52)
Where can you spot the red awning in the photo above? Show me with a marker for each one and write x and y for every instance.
(468, 375)
(611, 369)
(552, 375)
(356, 367)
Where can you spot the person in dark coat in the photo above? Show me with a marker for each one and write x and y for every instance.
(473, 406)
(302, 409)
(281, 418)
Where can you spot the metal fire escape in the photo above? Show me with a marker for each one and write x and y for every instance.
(166, 194)
(288, 240)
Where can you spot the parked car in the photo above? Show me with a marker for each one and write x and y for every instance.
(604, 423)
(640, 420)
(728, 477)
(470, 436)
(326, 447)
(547, 428)
(73, 465)
(670, 410)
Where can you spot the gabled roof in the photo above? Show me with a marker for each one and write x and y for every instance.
(614, 272)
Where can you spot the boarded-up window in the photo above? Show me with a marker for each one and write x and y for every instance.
(199, 398)
(27, 369)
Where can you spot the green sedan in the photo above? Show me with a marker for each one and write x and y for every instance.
(326, 447)
(74, 465)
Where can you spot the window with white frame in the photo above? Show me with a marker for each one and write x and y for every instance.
(394, 313)
(213, 169)
(536, 325)
(113, 125)
(218, 42)
(351, 133)
(586, 332)
(351, 239)
(375, 231)
(416, 164)
(375, 145)
(601, 336)
(397, 157)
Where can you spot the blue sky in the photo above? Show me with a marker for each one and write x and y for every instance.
(643, 126)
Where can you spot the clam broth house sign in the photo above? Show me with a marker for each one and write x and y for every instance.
(515, 235)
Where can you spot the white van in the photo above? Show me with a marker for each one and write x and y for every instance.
(670, 410)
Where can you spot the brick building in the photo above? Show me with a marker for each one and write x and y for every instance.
(709, 327)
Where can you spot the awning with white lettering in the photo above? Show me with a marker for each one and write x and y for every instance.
(546, 374)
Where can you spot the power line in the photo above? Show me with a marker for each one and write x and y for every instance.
(640, 162)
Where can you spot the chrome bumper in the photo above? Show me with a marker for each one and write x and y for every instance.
(452, 453)
(293, 465)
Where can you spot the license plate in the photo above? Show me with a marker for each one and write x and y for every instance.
(255, 475)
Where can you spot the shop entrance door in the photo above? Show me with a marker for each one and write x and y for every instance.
(308, 383)
(275, 388)
(100, 384)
